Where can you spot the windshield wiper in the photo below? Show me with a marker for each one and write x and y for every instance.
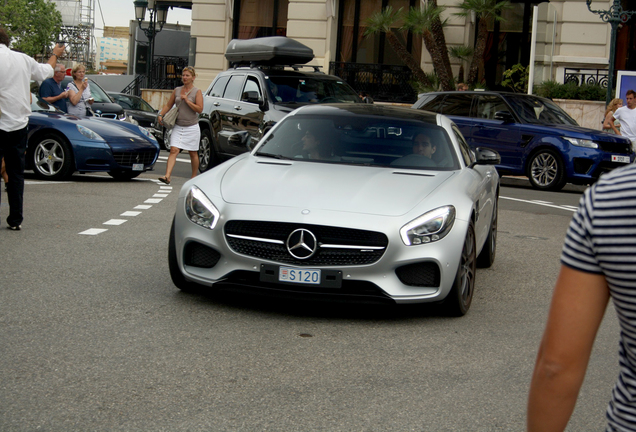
(273, 156)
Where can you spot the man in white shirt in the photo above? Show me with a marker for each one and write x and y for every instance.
(626, 115)
(16, 72)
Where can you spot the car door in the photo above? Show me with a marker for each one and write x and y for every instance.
(500, 135)
(249, 116)
(229, 116)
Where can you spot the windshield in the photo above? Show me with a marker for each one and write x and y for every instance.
(132, 103)
(292, 90)
(361, 140)
(40, 105)
(536, 110)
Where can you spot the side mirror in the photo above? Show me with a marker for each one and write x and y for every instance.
(241, 140)
(251, 97)
(486, 156)
(504, 116)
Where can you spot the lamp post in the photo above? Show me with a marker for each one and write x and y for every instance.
(615, 15)
(158, 15)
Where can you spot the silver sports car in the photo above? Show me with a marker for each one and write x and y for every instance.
(354, 200)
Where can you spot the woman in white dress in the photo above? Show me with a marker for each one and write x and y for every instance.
(186, 133)
(79, 92)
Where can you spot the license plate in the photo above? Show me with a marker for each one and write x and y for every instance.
(302, 276)
(622, 159)
(140, 167)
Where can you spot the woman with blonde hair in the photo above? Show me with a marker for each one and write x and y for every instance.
(79, 92)
(609, 125)
(186, 133)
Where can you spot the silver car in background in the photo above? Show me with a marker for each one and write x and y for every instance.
(335, 201)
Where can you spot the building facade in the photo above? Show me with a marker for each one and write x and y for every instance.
(568, 36)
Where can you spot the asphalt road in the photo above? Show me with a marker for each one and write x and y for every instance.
(95, 337)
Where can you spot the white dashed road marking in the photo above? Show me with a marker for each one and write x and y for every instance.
(164, 190)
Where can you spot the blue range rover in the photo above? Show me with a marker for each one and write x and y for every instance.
(533, 135)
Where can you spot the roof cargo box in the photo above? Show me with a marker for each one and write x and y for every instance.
(273, 50)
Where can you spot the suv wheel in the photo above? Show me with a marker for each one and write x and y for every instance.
(546, 171)
(207, 154)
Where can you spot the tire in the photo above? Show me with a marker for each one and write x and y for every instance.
(123, 175)
(486, 257)
(173, 265)
(207, 154)
(52, 157)
(546, 171)
(460, 296)
(166, 138)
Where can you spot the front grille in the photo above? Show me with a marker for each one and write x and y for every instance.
(198, 255)
(261, 234)
(145, 157)
(424, 274)
(615, 148)
(108, 115)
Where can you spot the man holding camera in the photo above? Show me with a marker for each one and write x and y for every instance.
(16, 72)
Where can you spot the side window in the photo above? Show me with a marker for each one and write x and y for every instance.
(467, 153)
(234, 86)
(488, 105)
(251, 85)
(457, 105)
(218, 87)
(433, 103)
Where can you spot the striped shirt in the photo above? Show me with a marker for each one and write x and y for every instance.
(601, 239)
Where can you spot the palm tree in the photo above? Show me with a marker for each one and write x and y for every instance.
(461, 53)
(483, 9)
(384, 22)
(423, 21)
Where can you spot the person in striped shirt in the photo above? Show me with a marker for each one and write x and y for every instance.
(598, 262)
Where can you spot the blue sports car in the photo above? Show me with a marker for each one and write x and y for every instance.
(60, 144)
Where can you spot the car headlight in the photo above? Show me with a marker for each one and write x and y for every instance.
(147, 133)
(88, 133)
(430, 227)
(200, 209)
(581, 142)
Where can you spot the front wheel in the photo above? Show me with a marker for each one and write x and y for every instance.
(486, 257)
(52, 158)
(173, 266)
(546, 171)
(166, 138)
(461, 294)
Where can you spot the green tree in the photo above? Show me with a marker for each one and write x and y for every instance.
(386, 21)
(484, 10)
(461, 53)
(32, 25)
(425, 21)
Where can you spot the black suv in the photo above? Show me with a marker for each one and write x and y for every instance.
(244, 102)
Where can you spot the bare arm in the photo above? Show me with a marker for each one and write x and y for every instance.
(578, 305)
(58, 50)
(609, 123)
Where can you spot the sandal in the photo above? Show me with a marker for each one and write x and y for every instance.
(164, 180)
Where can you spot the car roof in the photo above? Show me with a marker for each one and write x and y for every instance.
(352, 109)
(283, 72)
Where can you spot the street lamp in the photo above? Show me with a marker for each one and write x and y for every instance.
(158, 15)
(615, 15)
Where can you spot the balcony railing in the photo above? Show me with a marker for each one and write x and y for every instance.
(586, 76)
(384, 83)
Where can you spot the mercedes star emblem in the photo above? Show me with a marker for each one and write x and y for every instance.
(302, 244)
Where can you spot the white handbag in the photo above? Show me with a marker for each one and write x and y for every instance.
(170, 118)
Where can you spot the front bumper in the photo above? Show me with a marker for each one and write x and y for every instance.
(403, 274)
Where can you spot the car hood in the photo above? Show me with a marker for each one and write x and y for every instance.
(112, 131)
(313, 185)
(579, 132)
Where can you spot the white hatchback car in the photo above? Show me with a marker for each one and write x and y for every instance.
(365, 201)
